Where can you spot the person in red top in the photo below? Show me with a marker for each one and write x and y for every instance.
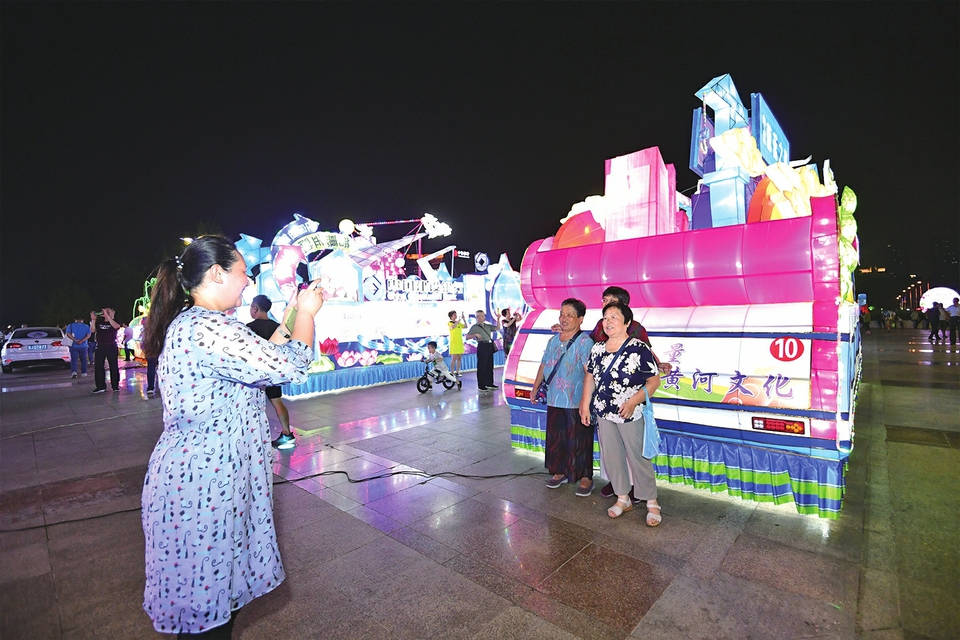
(636, 329)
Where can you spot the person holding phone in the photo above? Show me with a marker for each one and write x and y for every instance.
(456, 325)
(211, 544)
(105, 327)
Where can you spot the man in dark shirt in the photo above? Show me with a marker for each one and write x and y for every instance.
(264, 327)
(933, 317)
(105, 327)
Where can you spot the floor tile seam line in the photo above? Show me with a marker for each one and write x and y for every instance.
(56, 590)
(76, 424)
(47, 524)
(861, 590)
(113, 472)
(906, 426)
(589, 543)
(875, 521)
(934, 445)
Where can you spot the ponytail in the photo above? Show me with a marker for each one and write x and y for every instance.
(175, 278)
(166, 301)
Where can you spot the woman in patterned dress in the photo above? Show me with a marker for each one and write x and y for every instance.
(568, 453)
(211, 546)
(619, 370)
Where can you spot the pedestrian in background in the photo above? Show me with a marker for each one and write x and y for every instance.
(264, 326)
(954, 311)
(933, 318)
(78, 332)
(92, 347)
(483, 332)
(127, 342)
(944, 322)
(456, 325)
(151, 360)
(105, 327)
(509, 322)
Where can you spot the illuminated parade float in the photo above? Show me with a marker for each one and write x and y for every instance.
(376, 318)
(745, 289)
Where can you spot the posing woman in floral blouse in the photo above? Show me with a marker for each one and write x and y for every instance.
(618, 372)
(211, 546)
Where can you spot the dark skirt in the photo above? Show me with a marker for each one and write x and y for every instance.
(569, 448)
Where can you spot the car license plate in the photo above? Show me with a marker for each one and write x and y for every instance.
(35, 347)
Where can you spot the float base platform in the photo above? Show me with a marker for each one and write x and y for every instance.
(759, 474)
(356, 377)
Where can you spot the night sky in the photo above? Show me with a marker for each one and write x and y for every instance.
(124, 126)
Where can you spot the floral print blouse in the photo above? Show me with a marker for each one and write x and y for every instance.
(629, 372)
(207, 515)
(566, 388)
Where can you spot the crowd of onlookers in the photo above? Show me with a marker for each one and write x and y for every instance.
(944, 320)
(940, 320)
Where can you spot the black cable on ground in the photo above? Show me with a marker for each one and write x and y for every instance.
(424, 474)
(442, 474)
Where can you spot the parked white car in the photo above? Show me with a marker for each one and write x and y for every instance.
(34, 345)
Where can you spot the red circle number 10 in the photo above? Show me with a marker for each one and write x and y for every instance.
(786, 349)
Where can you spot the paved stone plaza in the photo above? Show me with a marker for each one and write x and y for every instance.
(408, 556)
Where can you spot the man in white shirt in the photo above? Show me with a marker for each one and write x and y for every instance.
(954, 311)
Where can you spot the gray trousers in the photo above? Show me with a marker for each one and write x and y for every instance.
(621, 449)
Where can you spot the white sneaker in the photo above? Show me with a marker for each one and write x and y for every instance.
(82, 375)
(73, 375)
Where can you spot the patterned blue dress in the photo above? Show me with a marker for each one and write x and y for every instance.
(211, 546)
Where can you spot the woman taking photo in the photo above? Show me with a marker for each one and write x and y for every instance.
(620, 369)
(207, 513)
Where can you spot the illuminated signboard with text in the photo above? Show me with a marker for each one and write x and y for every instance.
(773, 143)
